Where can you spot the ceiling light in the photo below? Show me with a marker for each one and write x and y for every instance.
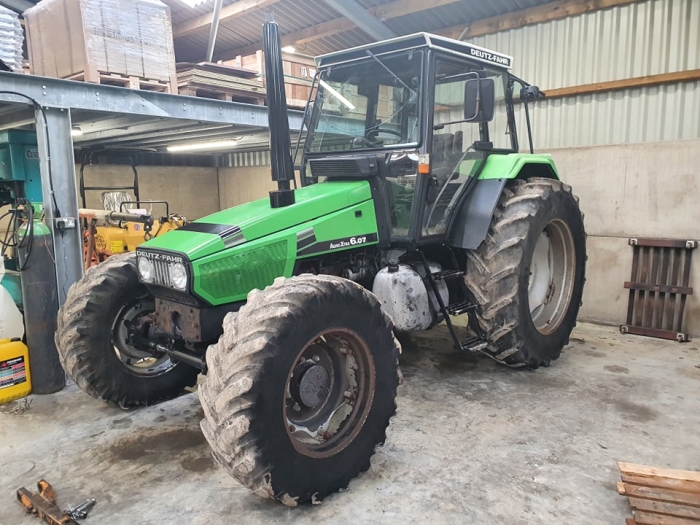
(76, 131)
(203, 146)
(288, 49)
(337, 95)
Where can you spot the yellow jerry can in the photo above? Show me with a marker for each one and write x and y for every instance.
(14, 370)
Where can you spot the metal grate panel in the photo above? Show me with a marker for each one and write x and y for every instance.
(242, 272)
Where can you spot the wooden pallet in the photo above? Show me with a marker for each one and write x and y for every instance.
(220, 82)
(112, 79)
(659, 287)
(660, 496)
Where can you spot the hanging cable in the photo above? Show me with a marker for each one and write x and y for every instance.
(57, 211)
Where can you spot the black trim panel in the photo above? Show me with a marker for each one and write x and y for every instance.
(222, 230)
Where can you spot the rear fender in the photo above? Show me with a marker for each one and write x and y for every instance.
(474, 216)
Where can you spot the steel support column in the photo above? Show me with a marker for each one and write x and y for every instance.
(58, 185)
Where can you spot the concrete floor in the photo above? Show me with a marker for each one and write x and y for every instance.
(472, 442)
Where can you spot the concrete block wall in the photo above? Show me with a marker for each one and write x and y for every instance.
(633, 190)
(243, 184)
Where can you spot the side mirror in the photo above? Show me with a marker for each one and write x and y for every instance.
(479, 99)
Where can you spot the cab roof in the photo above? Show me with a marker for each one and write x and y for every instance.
(414, 41)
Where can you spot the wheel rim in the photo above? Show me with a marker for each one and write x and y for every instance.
(329, 392)
(552, 272)
(138, 360)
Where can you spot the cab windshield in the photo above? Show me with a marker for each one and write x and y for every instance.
(369, 104)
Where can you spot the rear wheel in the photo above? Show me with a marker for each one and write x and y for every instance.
(93, 343)
(301, 387)
(527, 275)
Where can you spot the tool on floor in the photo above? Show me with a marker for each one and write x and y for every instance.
(43, 504)
(81, 511)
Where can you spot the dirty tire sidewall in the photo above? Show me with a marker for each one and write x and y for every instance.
(498, 272)
(84, 339)
(293, 312)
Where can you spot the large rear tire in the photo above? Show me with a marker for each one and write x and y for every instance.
(92, 343)
(301, 387)
(527, 276)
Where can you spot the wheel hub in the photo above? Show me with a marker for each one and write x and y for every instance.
(313, 386)
(329, 392)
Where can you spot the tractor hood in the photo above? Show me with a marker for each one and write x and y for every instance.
(256, 219)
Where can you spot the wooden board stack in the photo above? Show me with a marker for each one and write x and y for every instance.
(220, 82)
(660, 496)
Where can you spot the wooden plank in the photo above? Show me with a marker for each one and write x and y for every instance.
(661, 243)
(530, 16)
(627, 83)
(662, 483)
(663, 297)
(645, 518)
(684, 282)
(229, 12)
(645, 255)
(651, 293)
(662, 288)
(645, 471)
(656, 494)
(635, 277)
(667, 509)
(671, 303)
(654, 332)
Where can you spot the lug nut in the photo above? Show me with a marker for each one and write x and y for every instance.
(316, 359)
(296, 407)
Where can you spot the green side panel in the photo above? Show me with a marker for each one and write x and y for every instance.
(257, 219)
(228, 276)
(508, 166)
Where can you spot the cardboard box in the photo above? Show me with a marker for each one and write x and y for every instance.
(129, 38)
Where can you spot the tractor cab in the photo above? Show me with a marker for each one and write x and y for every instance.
(421, 112)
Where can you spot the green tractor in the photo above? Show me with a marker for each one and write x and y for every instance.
(414, 206)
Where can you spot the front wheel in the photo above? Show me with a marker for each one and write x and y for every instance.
(301, 387)
(527, 276)
(93, 343)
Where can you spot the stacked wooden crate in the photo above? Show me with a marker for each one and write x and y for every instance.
(126, 43)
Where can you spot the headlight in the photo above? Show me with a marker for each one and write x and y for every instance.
(178, 276)
(146, 271)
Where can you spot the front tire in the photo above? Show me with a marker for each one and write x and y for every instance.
(91, 339)
(527, 276)
(301, 387)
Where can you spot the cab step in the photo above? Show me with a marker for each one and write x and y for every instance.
(460, 308)
(473, 344)
(447, 274)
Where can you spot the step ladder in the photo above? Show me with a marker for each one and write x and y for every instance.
(477, 341)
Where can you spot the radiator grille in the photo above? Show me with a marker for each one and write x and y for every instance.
(241, 272)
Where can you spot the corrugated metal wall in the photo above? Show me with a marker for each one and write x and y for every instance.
(640, 39)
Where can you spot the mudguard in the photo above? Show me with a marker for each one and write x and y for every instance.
(473, 219)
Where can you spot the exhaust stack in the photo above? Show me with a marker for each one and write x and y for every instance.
(282, 166)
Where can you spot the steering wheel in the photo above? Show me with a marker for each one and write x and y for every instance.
(388, 131)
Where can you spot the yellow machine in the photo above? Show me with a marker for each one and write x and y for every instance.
(110, 240)
(121, 232)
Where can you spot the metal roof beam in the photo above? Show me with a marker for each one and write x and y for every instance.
(388, 11)
(361, 18)
(530, 16)
(20, 118)
(58, 93)
(230, 12)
